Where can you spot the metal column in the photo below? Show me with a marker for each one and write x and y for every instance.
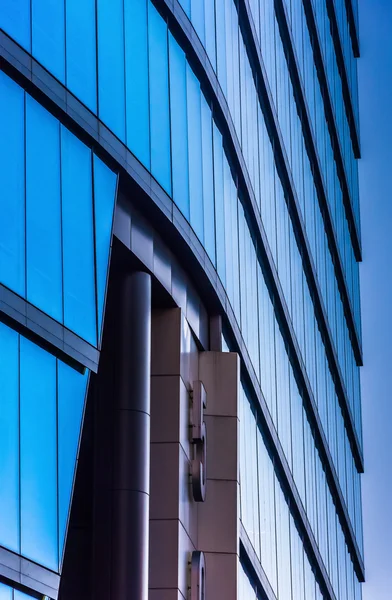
(131, 465)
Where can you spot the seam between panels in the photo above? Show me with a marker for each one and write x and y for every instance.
(126, 165)
(272, 276)
(353, 27)
(347, 97)
(337, 147)
(318, 179)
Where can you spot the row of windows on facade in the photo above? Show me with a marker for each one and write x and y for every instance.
(125, 108)
(230, 264)
(230, 61)
(199, 214)
(268, 354)
(270, 526)
(56, 215)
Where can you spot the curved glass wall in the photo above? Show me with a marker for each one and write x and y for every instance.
(138, 81)
(180, 150)
(132, 94)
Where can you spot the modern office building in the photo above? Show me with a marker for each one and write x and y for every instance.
(180, 337)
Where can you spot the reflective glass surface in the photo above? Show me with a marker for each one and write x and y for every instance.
(56, 215)
(152, 99)
(42, 403)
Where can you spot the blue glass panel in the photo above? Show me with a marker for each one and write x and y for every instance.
(219, 205)
(208, 180)
(12, 204)
(38, 455)
(20, 595)
(71, 396)
(9, 438)
(136, 79)
(186, 5)
(48, 36)
(81, 51)
(159, 98)
(111, 83)
(104, 198)
(198, 18)
(221, 44)
(195, 154)
(15, 20)
(78, 237)
(5, 592)
(209, 8)
(179, 131)
(43, 218)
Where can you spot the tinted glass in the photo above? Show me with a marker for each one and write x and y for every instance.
(38, 451)
(136, 79)
(78, 237)
(81, 51)
(12, 204)
(43, 213)
(159, 98)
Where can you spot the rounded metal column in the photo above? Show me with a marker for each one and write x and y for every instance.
(131, 467)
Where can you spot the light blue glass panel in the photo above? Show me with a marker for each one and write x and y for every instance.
(179, 131)
(71, 400)
(9, 438)
(111, 77)
(221, 43)
(105, 182)
(219, 205)
(136, 79)
(81, 51)
(43, 214)
(38, 453)
(78, 237)
(209, 9)
(48, 35)
(186, 5)
(15, 20)
(195, 154)
(159, 98)
(5, 592)
(208, 180)
(12, 203)
(20, 595)
(198, 18)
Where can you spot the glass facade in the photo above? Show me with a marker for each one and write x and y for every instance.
(128, 65)
(47, 177)
(40, 427)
